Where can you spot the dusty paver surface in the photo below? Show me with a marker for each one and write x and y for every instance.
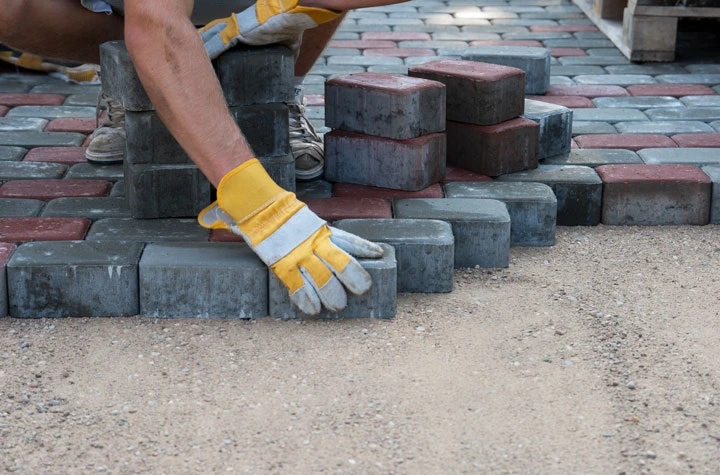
(598, 355)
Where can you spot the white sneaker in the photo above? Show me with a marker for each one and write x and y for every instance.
(307, 147)
(107, 143)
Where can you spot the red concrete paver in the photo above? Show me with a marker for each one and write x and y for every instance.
(223, 235)
(333, 209)
(3, 110)
(587, 91)
(362, 191)
(6, 251)
(83, 126)
(460, 174)
(637, 173)
(22, 99)
(573, 144)
(19, 230)
(315, 100)
(65, 155)
(573, 102)
(674, 90)
(399, 52)
(567, 28)
(48, 189)
(697, 140)
(625, 141)
(530, 43)
(395, 36)
(361, 44)
(567, 52)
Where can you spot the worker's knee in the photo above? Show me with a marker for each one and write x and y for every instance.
(12, 14)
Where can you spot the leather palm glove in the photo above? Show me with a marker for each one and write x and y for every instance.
(266, 22)
(310, 258)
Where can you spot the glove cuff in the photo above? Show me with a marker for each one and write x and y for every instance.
(247, 189)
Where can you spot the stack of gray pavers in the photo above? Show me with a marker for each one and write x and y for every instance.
(161, 181)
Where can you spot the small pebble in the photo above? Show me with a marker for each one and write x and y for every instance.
(631, 385)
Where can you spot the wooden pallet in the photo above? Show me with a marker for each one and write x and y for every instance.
(647, 29)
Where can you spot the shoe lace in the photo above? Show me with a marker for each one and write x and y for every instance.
(300, 127)
(115, 111)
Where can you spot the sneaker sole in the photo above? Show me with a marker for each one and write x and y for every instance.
(104, 158)
(309, 175)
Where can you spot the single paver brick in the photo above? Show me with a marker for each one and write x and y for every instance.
(362, 191)
(534, 61)
(150, 142)
(573, 102)
(453, 174)
(30, 170)
(477, 93)
(146, 230)
(120, 80)
(6, 250)
(95, 172)
(11, 154)
(265, 127)
(638, 102)
(532, 208)
(42, 229)
(22, 124)
(578, 191)
(697, 156)
(697, 140)
(586, 90)
(93, 208)
(481, 227)
(333, 209)
(385, 105)
(165, 191)
(14, 99)
(410, 165)
(493, 149)
(49, 189)
(674, 90)
(555, 133)
(18, 208)
(655, 195)
(74, 279)
(624, 141)
(42, 139)
(281, 169)
(424, 250)
(594, 157)
(610, 115)
(191, 280)
(64, 155)
(685, 113)
(583, 127)
(83, 126)
(52, 112)
(378, 302)
(713, 171)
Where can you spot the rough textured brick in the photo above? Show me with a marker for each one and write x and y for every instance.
(52, 112)
(594, 157)
(574, 102)
(379, 302)
(609, 115)
(697, 140)
(410, 165)
(64, 155)
(713, 171)
(624, 141)
(83, 126)
(522, 43)
(362, 191)
(146, 230)
(481, 227)
(313, 189)
(395, 36)
(581, 127)
(78, 279)
(555, 132)
(95, 172)
(42, 139)
(532, 208)
(655, 195)
(578, 191)
(477, 93)
(556, 52)
(664, 127)
(534, 61)
(166, 191)
(701, 101)
(256, 74)
(424, 250)
(150, 142)
(281, 169)
(42, 189)
(265, 127)
(6, 251)
(586, 91)
(613, 79)
(120, 80)
(385, 105)
(93, 208)
(708, 79)
(42, 229)
(493, 149)
(638, 102)
(679, 156)
(30, 170)
(673, 90)
(362, 44)
(12, 100)
(191, 280)
(453, 174)
(333, 209)
(11, 154)
(22, 124)
(18, 208)
(399, 52)
(685, 113)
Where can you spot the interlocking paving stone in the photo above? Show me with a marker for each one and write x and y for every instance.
(362, 191)
(624, 141)
(561, 81)
(95, 172)
(664, 127)
(651, 69)
(379, 302)
(118, 190)
(385, 105)
(397, 69)
(499, 42)
(578, 190)
(453, 174)
(6, 251)
(701, 101)
(65, 88)
(578, 43)
(12, 100)
(697, 140)
(557, 70)
(707, 79)
(24, 229)
(48, 189)
(703, 68)
(333, 209)
(609, 115)
(79, 279)
(42, 139)
(23, 170)
(362, 61)
(83, 126)
(481, 227)
(716, 125)
(191, 280)
(570, 28)
(149, 141)
(555, 124)
(399, 52)
(674, 90)
(18, 208)
(395, 36)
(571, 102)
(82, 99)
(146, 230)
(12, 153)
(313, 189)
(603, 52)
(3, 110)
(64, 155)
(713, 171)
(21, 124)
(594, 157)
(534, 61)
(686, 156)
(93, 208)
(685, 113)
(532, 208)
(120, 78)
(613, 79)
(424, 250)
(654, 195)
(638, 102)
(362, 44)
(51, 112)
(581, 127)
(586, 90)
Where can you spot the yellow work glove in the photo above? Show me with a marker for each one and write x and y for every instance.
(266, 22)
(310, 258)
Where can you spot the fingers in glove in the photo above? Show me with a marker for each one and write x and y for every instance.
(348, 271)
(355, 245)
(332, 295)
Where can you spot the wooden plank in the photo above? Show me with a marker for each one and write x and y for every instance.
(611, 28)
(679, 12)
(610, 9)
